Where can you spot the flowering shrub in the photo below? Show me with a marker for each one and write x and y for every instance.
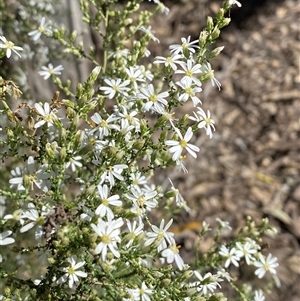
(78, 186)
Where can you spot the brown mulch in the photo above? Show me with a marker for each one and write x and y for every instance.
(252, 164)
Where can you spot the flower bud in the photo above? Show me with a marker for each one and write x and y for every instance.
(30, 122)
(63, 153)
(216, 51)
(210, 23)
(94, 75)
(49, 150)
(224, 22)
(203, 38)
(165, 282)
(68, 103)
(215, 34)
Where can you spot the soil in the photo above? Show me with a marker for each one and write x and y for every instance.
(251, 166)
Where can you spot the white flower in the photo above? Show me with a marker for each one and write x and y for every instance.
(128, 115)
(135, 75)
(223, 224)
(115, 86)
(265, 264)
(103, 209)
(204, 121)
(43, 28)
(4, 239)
(156, 102)
(112, 173)
(187, 47)
(186, 84)
(109, 235)
(138, 179)
(180, 202)
(104, 125)
(10, 47)
(145, 292)
(190, 71)
(74, 163)
(245, 250)
(223, 274)
(142, 200)
(178, 146)
(47, 116)
(230, 255)
(160, 235)
(32, 175)
(169, 61)
(208, 283)
(149, 33)
(134, 231)
(16, 216)
(17, 179)
(259, 296)
(72, 272)
(36, 219)
(50, 70)
(233, 2)
(210, 74)
(172, 253)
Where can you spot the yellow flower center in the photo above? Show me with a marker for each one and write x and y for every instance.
(105, 239)
(183, 143)
(153, 98)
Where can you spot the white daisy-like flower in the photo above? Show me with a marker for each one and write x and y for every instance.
(135, 75)
(17, 179)
(115, 86)
(265, 264)
(44, 27)
(180, 202)
(208, 283)
(46, 114)
(246, 250)
(142, 200)
(72, 273)
(16, 216)
(259, 296)
(30, 176)
(234, 2)
(149, 33)
(156, 102)
(104, 125)
(112, 173)
(223, 224)
(35, 219)
(109, 235)
(169, 61)
(160, 235)
(10, 47)
(190, 71)
(145, 292)
(231, 256)
(187, 47)
(188, 91)
(178, 146)
(5, 239)
(74, 163)
(103, 209)
(172, 254)
(204, 121)
(134, 230)
(209, 72)
(50, 70)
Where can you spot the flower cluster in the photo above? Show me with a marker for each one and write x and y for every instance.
(83, 178)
